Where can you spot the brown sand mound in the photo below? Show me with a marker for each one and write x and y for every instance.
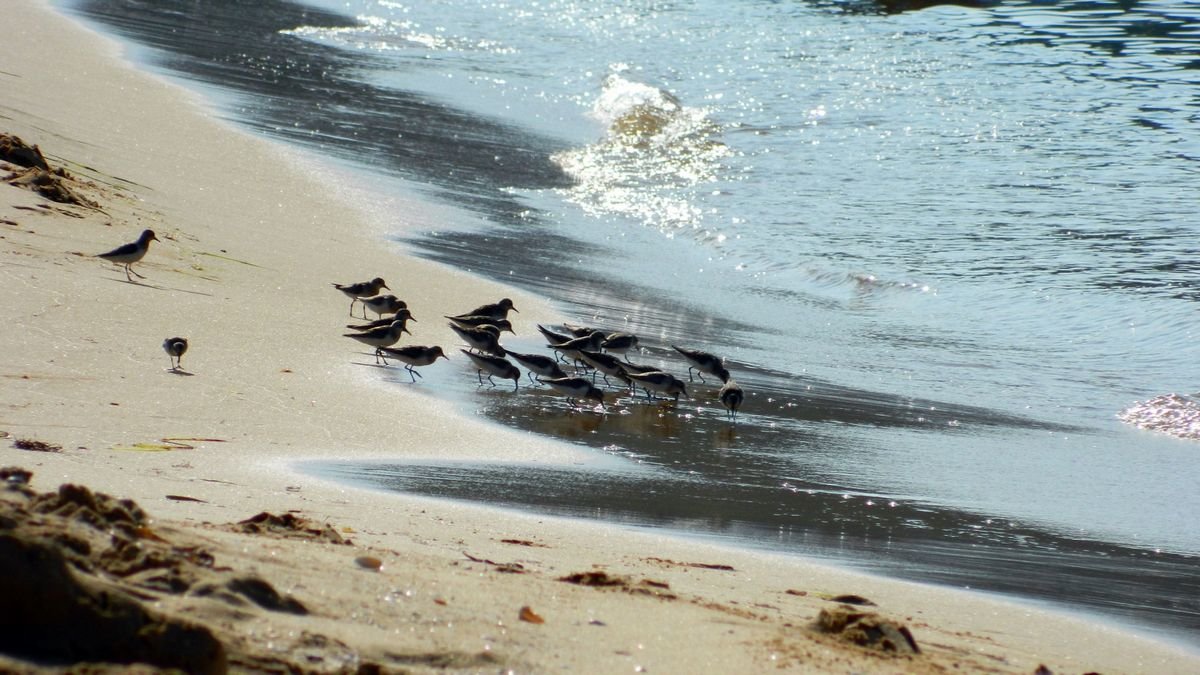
(16, 151)
(55, 612)
(53, 184)
(867, 629)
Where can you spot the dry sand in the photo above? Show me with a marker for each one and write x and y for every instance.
(251, 235)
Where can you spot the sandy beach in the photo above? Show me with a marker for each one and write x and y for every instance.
(237, 562)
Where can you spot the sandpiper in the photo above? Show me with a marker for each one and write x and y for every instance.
(498, 310)
(495, 365)
(575, 388)
(384, 336)
(620, 343)
(401, 315)
(628, 367)
(731, 396)
(605, 364)
(703, 362)
(553, 337)
(658, 381)
(581, 331)
(536, 364)
(127, 254)
(571, 348)
(175, 348)
(363, 289)
(383, 304)
(479, 320)
(482, 338)
(413, 355)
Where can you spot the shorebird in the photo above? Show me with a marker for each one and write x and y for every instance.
(384, 336)
(658, 381)
(620, 343)
(383, 304)
(175, 348)
(731, 396)
(575, 388)
(542, 366)
(479, 320)
(629, 368)
(553, 337)
(571, 348)
(363, 289)
(605, 364)
(581, 331)
(495, 365)
(703, 362)
(482, 338)
(498, 310)
(413, 355)
(401, 315)
(127, 254)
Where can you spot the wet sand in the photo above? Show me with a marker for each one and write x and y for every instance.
(250, 239)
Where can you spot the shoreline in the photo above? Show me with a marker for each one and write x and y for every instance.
(243, 266)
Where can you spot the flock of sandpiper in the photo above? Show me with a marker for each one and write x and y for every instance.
(585, 349)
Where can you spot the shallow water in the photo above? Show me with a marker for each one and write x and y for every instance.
(941, 250)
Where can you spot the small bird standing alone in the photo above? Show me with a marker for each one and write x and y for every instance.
(175, 348)
(128, 254)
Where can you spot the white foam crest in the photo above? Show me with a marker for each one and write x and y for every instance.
(655, 151)
(1172, 414)
(379, 34)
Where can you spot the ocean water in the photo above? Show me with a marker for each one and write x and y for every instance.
(947, 252)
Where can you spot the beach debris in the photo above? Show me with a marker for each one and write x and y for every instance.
(847, 599)
(510, 567)
(523, 542)
(594, 578)
(528, 615)
(290, 526)
(15, 477)
(167, 444)
(703, 566)
(602, 579)
(36, 446)
(867, 629)
(185, 498)
(369, 562)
